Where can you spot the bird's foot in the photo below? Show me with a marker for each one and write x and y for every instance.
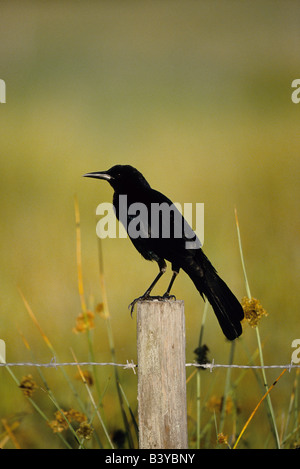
(133, 303)
(166, 296)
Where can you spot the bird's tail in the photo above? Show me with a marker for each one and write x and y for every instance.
(227, 308)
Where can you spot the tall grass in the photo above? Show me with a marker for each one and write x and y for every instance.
(84, 421)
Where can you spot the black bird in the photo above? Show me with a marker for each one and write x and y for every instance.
(159, 237)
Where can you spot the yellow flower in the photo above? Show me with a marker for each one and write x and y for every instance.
(84, 321)
(62, 417)
(75, 415)
(85, 431)
(28, 385)
(222, 439)
(253, 311)
(60, 423)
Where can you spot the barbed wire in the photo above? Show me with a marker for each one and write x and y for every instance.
(131, 365)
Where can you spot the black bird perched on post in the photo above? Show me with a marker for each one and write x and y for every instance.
(159, 238)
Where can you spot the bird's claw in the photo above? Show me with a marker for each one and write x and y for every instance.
(133, 303)
(166, 296)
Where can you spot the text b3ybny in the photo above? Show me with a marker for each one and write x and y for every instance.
(151, 458)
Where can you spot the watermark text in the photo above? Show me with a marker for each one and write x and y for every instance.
(163, 220)
(296, 94)
(296, 353)
(2, 351)
(2, 92)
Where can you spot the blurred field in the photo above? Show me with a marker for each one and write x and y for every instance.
(197, 96)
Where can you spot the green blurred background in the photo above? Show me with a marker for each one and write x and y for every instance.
(197, 96)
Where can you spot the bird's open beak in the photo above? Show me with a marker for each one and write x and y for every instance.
(98, 175)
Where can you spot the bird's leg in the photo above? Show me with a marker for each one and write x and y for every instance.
(167, 294)
(162, 268)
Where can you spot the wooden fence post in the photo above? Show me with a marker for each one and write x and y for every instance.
(162, 405)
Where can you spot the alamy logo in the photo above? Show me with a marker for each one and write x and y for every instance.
(296, 94)
(2, 351)
(157, 221)
(2, 92)
(296, 353)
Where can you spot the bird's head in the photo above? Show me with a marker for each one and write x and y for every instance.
(122, 178)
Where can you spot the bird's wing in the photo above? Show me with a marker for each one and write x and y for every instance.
(169, 232)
